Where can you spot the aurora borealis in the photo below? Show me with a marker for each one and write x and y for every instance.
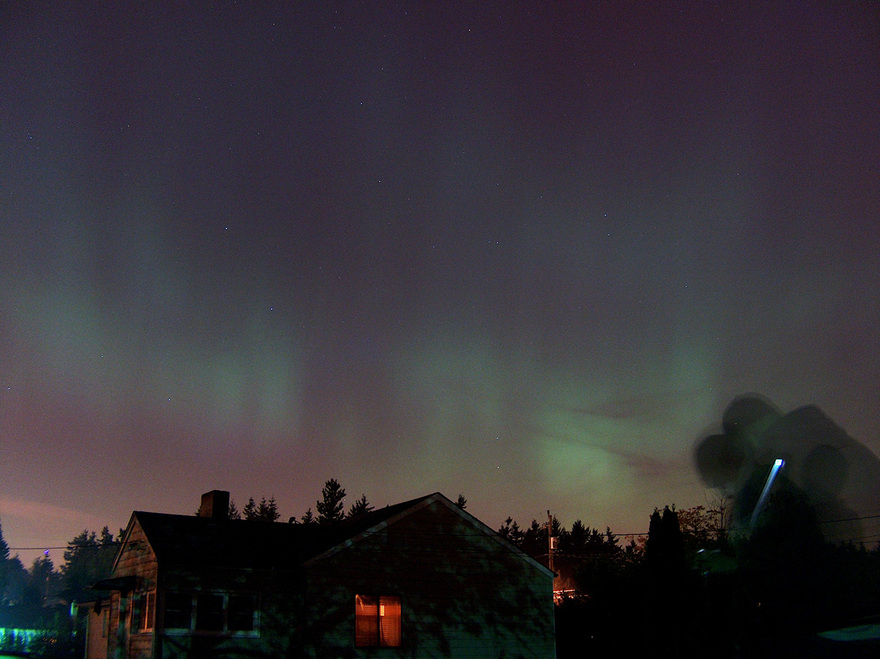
(525, 252)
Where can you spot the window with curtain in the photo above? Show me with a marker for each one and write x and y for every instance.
(377, 621)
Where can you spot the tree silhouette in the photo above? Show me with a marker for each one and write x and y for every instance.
(576, 539)
(668, 589)
(4, 565)
(705, 529)
(87, 559)
(330, 506)
(511, 532)
(664, 550)
(42, 582)
(266, 510)
(359, 507)
(16, 579)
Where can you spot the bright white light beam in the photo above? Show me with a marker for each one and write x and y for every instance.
(774, 470)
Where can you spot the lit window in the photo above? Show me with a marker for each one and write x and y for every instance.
(377, 621)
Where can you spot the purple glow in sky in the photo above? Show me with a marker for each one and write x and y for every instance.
(525, 252)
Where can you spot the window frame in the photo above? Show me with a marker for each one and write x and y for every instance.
(142, 613)
(184, 595)
(210, 612)
(254, 613)
(226, 597)
(375, 631)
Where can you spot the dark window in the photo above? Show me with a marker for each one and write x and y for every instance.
(178, 611)
(146, 611)
(233, 613)
(377, 621)
(209, 612)
(240, 616)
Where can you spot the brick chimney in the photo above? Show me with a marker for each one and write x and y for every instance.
(215, 504)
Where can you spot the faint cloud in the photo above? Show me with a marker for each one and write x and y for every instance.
(649, 408)
(31, 523)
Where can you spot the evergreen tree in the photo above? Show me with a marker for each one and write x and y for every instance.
(611, 542)
(461, 502)
(655, 533)
(4, 548)
(673, 537)
(359, 507)
(577, 537)
(330, 506)
(234, 512)
(266, 510)
(664, 550)
(510, 531)
(16, 582)
(534, 541)
(308, 517)
(669, 591)
(42, 582)
(4, 565)
(87, 559)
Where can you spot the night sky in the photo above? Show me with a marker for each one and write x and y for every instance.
(527, 252)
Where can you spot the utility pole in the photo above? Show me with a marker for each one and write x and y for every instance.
(550, 543)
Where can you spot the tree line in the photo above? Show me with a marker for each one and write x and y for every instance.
(329, 509)
(695, 587)
(39, 596)
(87, 559)
(691, 586)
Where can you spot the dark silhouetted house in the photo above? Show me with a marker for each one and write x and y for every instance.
(422, 578)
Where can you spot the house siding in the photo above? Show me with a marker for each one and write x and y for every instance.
(97, 628)
(136, 559)
(463, 593)
(277, 603)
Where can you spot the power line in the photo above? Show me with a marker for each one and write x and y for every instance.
(115, 543)
(615, 534)
(849, 519)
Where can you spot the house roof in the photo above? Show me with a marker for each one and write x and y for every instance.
(408, 507)
(227, 543)
(204, 542)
